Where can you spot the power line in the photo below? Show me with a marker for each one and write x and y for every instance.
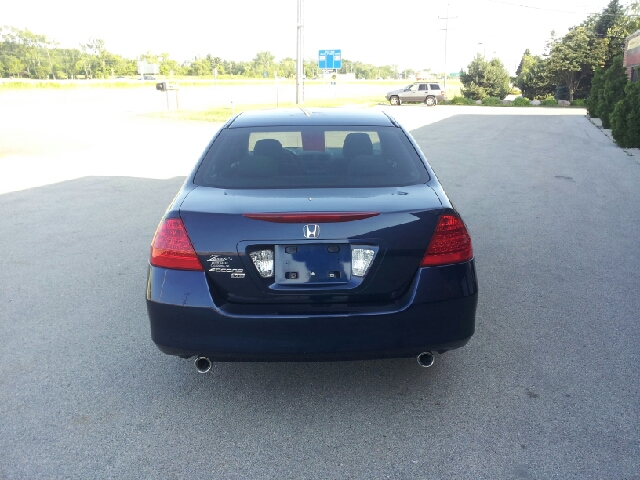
(535, 8)
(553, 9)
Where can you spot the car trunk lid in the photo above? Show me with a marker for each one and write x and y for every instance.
(318, 238)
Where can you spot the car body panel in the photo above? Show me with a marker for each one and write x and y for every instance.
(310, 116)
(187, 321)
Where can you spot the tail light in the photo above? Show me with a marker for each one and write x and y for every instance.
(450, 243)
(171, 247)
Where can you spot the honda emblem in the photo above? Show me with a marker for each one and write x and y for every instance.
(311, 231)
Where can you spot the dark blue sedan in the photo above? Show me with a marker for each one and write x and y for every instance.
(306, 235)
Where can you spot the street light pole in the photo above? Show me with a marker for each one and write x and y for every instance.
(300, 57)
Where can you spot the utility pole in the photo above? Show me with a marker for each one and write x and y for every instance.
(300, 57)
(446, 34)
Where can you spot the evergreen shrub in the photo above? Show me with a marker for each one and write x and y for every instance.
(490, 101)
(521, 102)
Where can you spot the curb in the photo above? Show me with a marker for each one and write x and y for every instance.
(632, 152)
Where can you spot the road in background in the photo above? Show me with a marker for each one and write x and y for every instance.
(548, 386)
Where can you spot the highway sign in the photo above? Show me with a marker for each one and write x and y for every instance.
(329, 59)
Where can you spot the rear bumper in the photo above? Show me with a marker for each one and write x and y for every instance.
(432, 315)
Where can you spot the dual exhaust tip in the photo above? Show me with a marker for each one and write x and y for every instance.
(203, 364)
(425, 359)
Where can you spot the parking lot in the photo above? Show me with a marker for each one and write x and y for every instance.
(547, 388)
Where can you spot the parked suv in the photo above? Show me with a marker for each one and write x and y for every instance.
(423, 92)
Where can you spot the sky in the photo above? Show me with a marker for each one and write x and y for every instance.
(381, 32)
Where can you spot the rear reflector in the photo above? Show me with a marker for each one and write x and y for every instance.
(319, 217)
(450, 243)
(171, 247)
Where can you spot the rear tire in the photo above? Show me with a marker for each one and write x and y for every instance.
(394, 100)
(430, 101)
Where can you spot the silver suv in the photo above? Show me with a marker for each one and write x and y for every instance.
(423, 92)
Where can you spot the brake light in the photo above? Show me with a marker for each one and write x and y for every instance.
(318, 217)
(450, 243)
(171, 247)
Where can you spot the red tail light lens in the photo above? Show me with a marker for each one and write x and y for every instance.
(450, 243)
(171, 247)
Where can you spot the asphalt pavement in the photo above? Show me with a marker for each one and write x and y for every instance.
(547, 388)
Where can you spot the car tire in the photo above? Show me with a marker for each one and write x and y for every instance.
(430, 101)
(394, 100)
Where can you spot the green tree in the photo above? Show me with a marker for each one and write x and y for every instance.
(32, 50)
(347, 66)
(408, 72)
(485, 79)
(13, 66)
(234, 68)
(387, 71)
(614, 81)
(607, 27)
(625, 119)
(365, 70)
(525, 62)
(573, 58)
(263, 62)
(597, 84)
(92, 58)
(215, 63)
(533, 80)
(310, 68)
(149, 57)
(287, 68)
(199, 67)
(167, 66)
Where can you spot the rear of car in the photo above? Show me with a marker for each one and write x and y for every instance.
(311, 235)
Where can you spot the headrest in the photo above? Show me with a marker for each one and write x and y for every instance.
(269, 147)
(357, 144)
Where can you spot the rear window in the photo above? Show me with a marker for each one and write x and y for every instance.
(311, 156)
(435, 86)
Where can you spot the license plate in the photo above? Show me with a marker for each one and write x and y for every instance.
(313, 263)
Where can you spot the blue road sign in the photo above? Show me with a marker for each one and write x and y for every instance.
(329, 59)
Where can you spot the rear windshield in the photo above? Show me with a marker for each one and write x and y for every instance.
(311, 156)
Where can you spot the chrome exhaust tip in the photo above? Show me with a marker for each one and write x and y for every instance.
(425, 359)
(203, 364)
